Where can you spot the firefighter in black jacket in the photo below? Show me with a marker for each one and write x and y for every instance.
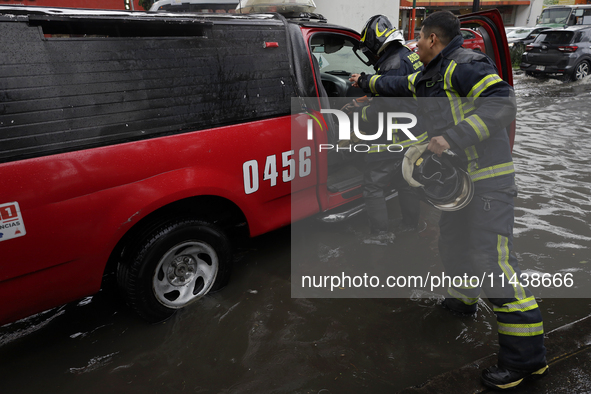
(384, 47)
(470, 117)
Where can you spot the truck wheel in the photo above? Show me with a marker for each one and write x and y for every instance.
(174, 266)
(581, 71)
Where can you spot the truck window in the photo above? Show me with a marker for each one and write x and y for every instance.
(336, 62)
(85, 83)
(555, 15)
(335, 53)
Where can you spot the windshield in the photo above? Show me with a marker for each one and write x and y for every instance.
(555, 15)
(555, 37)
(519, 33)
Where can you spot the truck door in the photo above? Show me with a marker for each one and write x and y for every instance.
(332, 54)
(490, 25)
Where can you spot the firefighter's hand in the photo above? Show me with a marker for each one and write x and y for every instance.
(437, 145)
(354, 78)
(350, 107)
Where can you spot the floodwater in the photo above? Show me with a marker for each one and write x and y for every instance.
(253, 337)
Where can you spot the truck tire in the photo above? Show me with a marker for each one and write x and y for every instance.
(174, 266)
(581, 70)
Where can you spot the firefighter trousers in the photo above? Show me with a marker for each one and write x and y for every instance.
(377, 177)
(476, 242)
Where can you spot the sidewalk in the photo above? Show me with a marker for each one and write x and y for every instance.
(569, 359)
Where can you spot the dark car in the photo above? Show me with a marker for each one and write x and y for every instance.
(523, 36)
(561, 53)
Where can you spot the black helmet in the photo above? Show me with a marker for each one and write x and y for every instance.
(376, 34)
(439, 180)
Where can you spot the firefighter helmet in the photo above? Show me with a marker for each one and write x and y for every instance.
(439, 180)
(376, 35)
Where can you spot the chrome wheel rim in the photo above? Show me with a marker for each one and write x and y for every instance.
(185, 273)
(582, 70)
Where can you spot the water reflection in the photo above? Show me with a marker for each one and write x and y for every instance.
(551, 154)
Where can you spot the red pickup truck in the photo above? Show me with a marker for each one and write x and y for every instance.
(144, 144)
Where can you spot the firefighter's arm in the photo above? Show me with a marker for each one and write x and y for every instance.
(384, 85)
(487, 104)
(355, 105)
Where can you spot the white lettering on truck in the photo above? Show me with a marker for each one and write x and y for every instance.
(250, 169)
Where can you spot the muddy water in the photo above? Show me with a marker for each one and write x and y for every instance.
(252, 337)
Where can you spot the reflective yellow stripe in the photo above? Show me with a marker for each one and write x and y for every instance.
(476, 129)
(521, 330)
(472, 155)
(378, 32)
(484, 83)
(364, 113)
(491, 172)
(479, 120)
(390, 32)
(527, 304)
(503, 260)
(411, 83)
(509, 385)
(377, 148)
(452, 94)
(372, 84)
(468, 105)
(405, 144)
(364, 34)
(421, 138)
(461, 297)
(479, 127)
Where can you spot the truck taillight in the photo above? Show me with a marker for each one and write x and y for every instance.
(528, 48)
(568, 48)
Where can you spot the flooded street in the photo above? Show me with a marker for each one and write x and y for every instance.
(253, 337)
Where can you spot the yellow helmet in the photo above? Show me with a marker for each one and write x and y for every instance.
(376, 35)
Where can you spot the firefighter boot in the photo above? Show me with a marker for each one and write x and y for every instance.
(459, 308)
(500, 378)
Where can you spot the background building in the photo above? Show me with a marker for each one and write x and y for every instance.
(354, 13)
(514, 12)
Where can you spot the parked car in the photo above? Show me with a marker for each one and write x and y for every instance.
(523, 36)
(510, 29)
(559, 53)
(142, 145)
(472, 40)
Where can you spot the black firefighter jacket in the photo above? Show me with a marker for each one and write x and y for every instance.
(462, 98)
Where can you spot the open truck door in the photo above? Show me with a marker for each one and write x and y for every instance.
(490, 25)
